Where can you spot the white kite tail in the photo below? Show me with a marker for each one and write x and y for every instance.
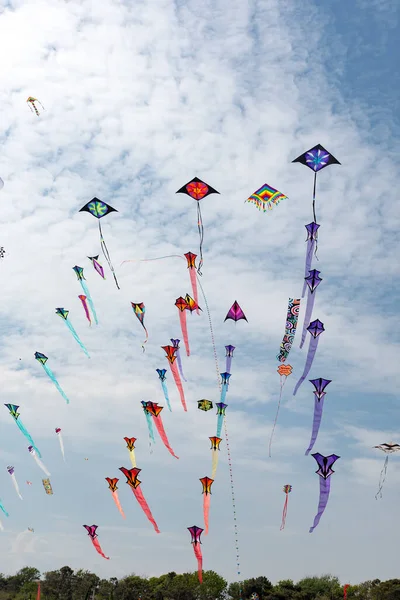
(41, 465)
(1, 526)
(15, 484)
(61, 446)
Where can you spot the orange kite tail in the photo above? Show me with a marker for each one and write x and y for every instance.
(163, 435)
(145, 507)
(118, 504)
(206, 511)
(178, 382)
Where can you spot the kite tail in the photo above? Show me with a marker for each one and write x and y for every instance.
(132, 457)
(150, 427)
(220, 420)
(107, 255)
(61, 446)
(346, 587)
(178, 383)
(206, 511)
(165, 390)
(310, 357)
(147, 336)
(193, 280)
(96, 544)
(182, 318)
(214, 458)
(318, 408)
(228, 364)
(178, 356)
(89, 299)
(118, 504)
(324, 487)
(284, 513)
(54, 380)
(41, 465)
(72, 330)
(83, 299)
(1, 526)
(382, 478)
(223, 392)
(309, 253)
(276, 416)
(163, 435)
(38, 591)
(3, 509)
(201, 234)
(15, 484)
(307, 316)
(28, 437)
(145, 507)
(199, 556)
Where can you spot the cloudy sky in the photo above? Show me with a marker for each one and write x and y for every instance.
(139, 98)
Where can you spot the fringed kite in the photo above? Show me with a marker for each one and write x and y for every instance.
(266, 197)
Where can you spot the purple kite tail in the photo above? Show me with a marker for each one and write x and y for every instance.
(310, 357)
(309, 253)
(324, 488)
(318, 408)
(307, 316)
(178, 356)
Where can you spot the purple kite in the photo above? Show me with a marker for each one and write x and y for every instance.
(91, 529)
(312, 242)
(235, 313)
(97, 266)
(319, 394)
(325, 464)
(229, 356)
(315, 328)
(175, 344)
(313, 280)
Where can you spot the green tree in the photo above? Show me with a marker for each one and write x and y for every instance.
(259, 585)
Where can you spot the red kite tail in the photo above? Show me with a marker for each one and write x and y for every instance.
(182, 318)
(160, 428)
(178, 382)
(118, 504)
(199, 556)
(193, 280)
(96, 544)
(206, 511)
(284, 513)
(145, 507)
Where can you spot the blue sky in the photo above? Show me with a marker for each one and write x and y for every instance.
(141, 97)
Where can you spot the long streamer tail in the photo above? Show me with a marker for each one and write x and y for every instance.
(16, 486)
(284, 513)
(76, 337)
(307, 316)
(165, 390)
(145, 507)
(214, 458)
(150, 428)
(28, 437)
(310, 357)
(178, 382)
(54, 380)
(179, 359)
(182, 318)
(3, 509)
(193, 280)
(83, 299)
(276, 416)
(220, 421)
(61, 446)
(118, 504)
(132, 457)
(324, 488)
(41, 465)
(96, 544)
(160, 428)
(90, 300)
(309, 253)
(199, 556)
(206, 511)
(318, 408)
(107, 255)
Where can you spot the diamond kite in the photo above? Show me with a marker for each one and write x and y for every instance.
(235, 313)
(266, 197)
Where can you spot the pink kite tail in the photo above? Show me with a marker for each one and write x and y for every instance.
(193, 280)
(182, 318)
(199, 556)
(163, 435)
(284, 512)
(178, 382)
(96, 544)
(206, 511)
(82, 298)
(38, 591)
(118, 504)
(140, 498)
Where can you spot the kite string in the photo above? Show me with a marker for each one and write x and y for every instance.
(107, 255)
(236, 533)
(277, 413)
(150, 259)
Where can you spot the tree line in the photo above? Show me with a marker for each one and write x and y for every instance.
(67, 584)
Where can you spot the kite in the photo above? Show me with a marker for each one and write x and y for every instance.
(58, 432)
(345, 588)
(284, 372)
(42, 358)
(313, 280)
(61, 312)
(81, 279)
(170, 352)
(312, 241)
(235, 313)
(387, 449)
(29, 483)
(97, 266)
(315, 328)
(191, 304)
(140, 310)
(13, 408)
(225, 377)
(38, 461)
(198, 190)
(287, 489)
(153, 410)
(31, 103)
(134, 483)
(149, 424)
(47, 487)
(83, 299)
(100, 209)
(206, 482)
(204, 405)
(316, 159)
(112, 486)
(196, 532)
(319, 395)
(130, 444)
(221, 407)
(229, 356)
(91, 529)
(14, 480)
(266, 197)
(191, 265)
(182, 306)
(2, 251)
(175, 344)
(325, 464)
(215, 442)
(31, 529)
(162, 376)
(292, 318)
